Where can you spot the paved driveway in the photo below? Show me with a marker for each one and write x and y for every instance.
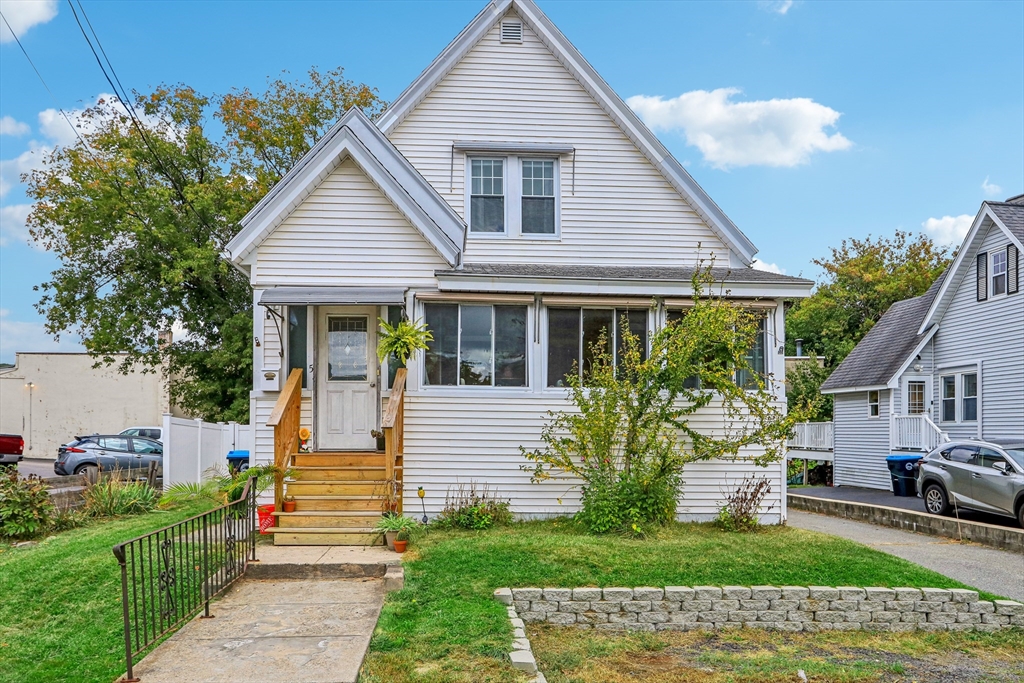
(996, 571)
(42, 468)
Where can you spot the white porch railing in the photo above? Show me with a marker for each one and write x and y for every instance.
(914, 433)
(813, 436)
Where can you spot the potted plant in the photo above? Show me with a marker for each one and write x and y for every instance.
(390, 525)
(379, 436)
(289, 503)
(401, 541)
(401, 340)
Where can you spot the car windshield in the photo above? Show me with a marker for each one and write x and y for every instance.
(1017, 454)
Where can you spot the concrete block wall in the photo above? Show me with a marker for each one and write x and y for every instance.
(785, 608)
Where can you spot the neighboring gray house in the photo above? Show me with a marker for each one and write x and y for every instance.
(945, 365)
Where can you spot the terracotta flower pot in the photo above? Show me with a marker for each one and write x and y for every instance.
(289, 506)
(400, 546)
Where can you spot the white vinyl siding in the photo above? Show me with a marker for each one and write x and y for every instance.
(861, 441)
(615, 206)
(346, 232)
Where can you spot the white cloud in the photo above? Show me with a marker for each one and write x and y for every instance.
(23, 15)
(12, 224)
(11, 170)
(990, 189)
(756, 133)
(776, 6)
(948, 230)
(11, 126)
(758, 264)
(19, 335)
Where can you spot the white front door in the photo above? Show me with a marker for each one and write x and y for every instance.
(347, 378)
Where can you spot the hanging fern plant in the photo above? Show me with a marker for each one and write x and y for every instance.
(402, 340)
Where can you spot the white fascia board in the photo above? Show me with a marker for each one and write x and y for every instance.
(610, 287)
(608, 99)
(383, 165)
(853, 390)
(894, 381)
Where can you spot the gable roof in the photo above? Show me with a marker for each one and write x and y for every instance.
(591, 81)
(881, 355)
(1007, 216)
(354, 136)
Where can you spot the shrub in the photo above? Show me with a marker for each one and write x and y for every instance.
(470, 507)
(67, 518)
(113, 496)
(26, 510)
(743, 505)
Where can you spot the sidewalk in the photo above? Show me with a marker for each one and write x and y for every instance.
(996, 571)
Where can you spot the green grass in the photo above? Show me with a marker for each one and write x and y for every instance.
(60, 610)
(446, 626)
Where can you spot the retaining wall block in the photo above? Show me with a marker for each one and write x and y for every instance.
(879, 594)
(908, 593)
(851, 593)
(586, 594)
(735, 593)
(765, 593)
(936, 594)
(618, 594)
(503, 595)
(707, 593)
(557, 594)
(543, 606)
(573, 606)
(606, 607)
(982, 607)
(561, 618)
(1010, 608)
(795, 592)
(637, 606)
(822, 593)
(760, 604)
(648, 593)
(527, 594)
(680, 593)
(963, 595)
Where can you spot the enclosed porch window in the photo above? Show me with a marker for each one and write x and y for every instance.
(475, 345)
(574, 334)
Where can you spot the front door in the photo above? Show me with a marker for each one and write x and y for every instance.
(347, 378)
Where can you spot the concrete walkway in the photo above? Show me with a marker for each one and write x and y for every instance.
(995, 571)
(298, 616)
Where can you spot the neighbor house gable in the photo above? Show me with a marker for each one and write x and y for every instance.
(718, 226)
(355, 137)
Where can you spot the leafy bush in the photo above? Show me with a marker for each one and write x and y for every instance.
(113, 496)
(26, 510)
(743, 505)
(392, 521)
(469, 507)
(67, 518)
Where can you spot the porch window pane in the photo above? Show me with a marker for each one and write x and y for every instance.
(346, 348)
(563, 344)
(596, 323)
(475, 346)
(636, 322)
(948, 399)
(510, 346)
(673, 316)
(969, 410)
(487, 195)
(297, 340)
(755, 359)
(441, 357)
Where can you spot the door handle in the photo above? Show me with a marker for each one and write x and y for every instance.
(373, 384)
(975, 475)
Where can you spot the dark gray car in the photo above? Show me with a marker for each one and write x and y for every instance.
(108, 452)
(978, 475)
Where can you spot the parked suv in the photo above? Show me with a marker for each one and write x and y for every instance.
(109, 452)
(974, 474)
(148, 432)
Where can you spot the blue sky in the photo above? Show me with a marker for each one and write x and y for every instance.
(808, 122)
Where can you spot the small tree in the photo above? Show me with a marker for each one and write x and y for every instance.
(805, 382)
(631, 437)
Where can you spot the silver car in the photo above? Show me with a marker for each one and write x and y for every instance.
(974, 474)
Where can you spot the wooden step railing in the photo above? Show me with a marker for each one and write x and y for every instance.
(393, 426)
(285, 420)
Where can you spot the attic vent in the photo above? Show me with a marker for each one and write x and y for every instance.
(512, 31)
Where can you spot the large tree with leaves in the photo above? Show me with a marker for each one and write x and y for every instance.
(139, 210)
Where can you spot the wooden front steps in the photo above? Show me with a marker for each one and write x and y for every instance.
(337, 499)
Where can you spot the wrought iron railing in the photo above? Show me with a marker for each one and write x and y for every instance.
(169, 575)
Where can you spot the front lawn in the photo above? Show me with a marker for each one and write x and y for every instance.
(60, 602)
(446, 626)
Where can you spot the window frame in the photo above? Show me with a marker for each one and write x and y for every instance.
(950, 380)
(513, 196)
(528, 369)
(875, 407)
(992, 275)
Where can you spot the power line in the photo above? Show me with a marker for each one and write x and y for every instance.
(43, 81)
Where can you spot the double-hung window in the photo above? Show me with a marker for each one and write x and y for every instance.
(999, 272)
(949, 398)
(873, 404)
(969, 401)
(475, 345)
(538, 217)
(487, 196)
(959, 388)
(574, 336)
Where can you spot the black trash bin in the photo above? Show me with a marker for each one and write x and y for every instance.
(903, 471)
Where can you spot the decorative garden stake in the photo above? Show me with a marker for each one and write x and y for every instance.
(420, 492)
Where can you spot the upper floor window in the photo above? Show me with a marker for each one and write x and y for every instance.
(538, 196)
(487, 195)
(998, 272)
(873, 404)
(513, 196)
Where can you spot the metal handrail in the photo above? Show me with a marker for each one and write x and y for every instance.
(169, 575)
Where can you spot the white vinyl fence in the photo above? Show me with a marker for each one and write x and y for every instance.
(192, 447)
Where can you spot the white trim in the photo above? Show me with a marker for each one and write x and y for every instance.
(573, 61)
(512, 147)
(893, 382)
(355, 137)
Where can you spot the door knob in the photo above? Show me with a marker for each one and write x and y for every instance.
(373, 384)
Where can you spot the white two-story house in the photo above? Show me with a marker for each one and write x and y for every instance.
(945, 365)
(513, 202)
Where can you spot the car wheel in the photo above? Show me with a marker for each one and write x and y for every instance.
(935, 500)
(1020, 515)
(87, 470)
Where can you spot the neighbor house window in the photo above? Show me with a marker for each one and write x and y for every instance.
(915, 397)
(475, 345)
(574, 336)
(969, 402)
(487, 195)
(949, 398)
(538, 197)
(999, 272)
(297, 318)
(873, 403)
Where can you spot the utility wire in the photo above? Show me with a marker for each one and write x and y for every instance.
(43, 81)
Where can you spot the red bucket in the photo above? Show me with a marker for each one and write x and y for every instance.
(266, 514)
